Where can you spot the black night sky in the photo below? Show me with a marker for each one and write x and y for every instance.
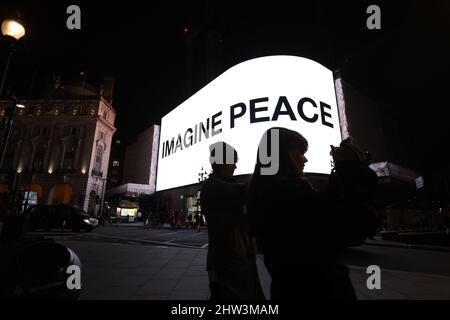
(404, 66)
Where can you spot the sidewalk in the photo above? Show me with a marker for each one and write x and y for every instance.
(138, 272)
(396, 244)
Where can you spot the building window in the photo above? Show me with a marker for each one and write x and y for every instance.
(99, 159)
(101, 135)
(69, 157)
(116, 164)
(44, 131)
(16, 132)
(31, 110)
(71, 131)
(105, 115)
(41, 131)
(39, 156)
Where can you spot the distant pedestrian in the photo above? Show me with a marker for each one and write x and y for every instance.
(181, 218)
(197, 221)
(173, 219)
(302, 257)
(231, 260)
(189, 217)
(161, 218)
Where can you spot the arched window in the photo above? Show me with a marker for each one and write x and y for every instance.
(39, 156)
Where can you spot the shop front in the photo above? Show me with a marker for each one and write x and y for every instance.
(127, 211)
(126, 203)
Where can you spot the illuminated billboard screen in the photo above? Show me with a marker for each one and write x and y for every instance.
(239, 106)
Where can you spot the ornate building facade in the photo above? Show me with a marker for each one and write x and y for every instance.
(60, 148)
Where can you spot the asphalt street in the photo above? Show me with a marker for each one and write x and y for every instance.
(387, 258)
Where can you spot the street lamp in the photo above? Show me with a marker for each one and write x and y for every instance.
(14, 30)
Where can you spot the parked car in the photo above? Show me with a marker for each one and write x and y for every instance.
(61, 217)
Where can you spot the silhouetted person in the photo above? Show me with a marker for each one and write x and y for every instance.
(302, 257)
(189, 217)
(231, 262)
(198, 221)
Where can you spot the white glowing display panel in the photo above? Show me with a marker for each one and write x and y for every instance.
(239, 106)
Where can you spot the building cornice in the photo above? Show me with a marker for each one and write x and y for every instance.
(107, 124)
(58, 117)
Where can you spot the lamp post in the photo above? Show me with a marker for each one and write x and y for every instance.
(13, 30)
(7, 124)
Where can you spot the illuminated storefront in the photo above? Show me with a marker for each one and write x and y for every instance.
(124, 202)
(127, 211)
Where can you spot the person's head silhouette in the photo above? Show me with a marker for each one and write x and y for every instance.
(223, 159)
(287, 150)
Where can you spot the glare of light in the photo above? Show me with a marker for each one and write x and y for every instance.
(83, 171)
(50, 170)
(20, 106)
(186, 29)
(13, 29)
(19, 170)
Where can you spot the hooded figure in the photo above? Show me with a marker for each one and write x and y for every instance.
(231, 261)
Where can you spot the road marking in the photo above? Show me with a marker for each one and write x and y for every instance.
(157, 235)
(130, 242)
(151, 242)
(204, 246)
(192, 235)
